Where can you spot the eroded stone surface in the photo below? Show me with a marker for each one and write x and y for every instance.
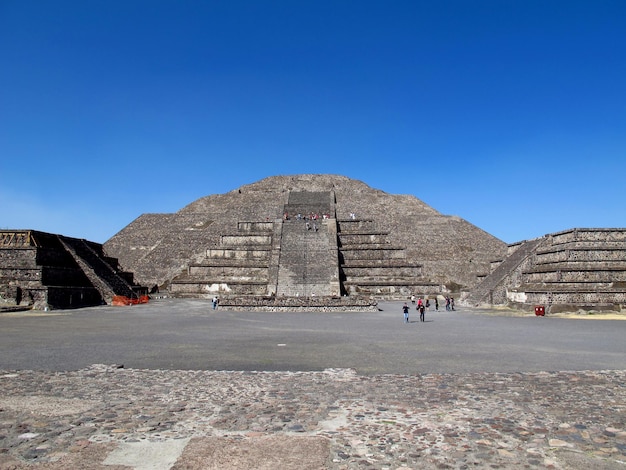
(482, 420)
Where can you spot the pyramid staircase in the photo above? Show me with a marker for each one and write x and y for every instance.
(488, 290)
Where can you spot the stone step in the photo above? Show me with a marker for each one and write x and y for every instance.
(599, 275)
(357, 239)
(247, 240)
(348, 256)
(382, 271)
(572, 287)
(574, 297)
(584, 246)
(380, 263)
(346, 226)
(191, 281)
(254, 226)
(579, 267)
(576, 255)
(232, 262)
(227, 271)
(257, 253)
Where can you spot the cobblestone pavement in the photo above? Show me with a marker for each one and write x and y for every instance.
(332, 419)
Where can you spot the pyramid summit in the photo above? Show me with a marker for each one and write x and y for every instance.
(304, 235)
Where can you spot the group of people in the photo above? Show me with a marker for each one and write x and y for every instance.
(311, 216)
(423, 305)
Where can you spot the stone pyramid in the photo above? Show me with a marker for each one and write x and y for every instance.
(311, 234)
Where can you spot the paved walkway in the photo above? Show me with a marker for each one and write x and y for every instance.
(109, 417)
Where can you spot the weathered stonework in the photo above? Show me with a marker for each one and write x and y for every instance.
(574, 269)
(250, 245)
(251, 241)
(43, 270)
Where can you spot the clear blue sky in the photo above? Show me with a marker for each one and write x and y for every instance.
(510, 114)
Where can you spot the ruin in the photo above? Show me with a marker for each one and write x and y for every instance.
(318, 242)
(305, 236)
(42, 270)
(576, 269)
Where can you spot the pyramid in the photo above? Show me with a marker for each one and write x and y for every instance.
(305, 235)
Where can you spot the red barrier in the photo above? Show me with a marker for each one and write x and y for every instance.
(123, 300)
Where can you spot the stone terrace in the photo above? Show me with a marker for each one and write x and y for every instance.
(44, 270)
(573, 269)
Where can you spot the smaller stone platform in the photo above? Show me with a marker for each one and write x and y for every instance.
(300, 304)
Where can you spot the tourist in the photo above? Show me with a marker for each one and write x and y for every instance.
(405, 309)
(436, 304)
(452, 303)
(447, 303)
(413, 299)
(215, 302)
(422, 310)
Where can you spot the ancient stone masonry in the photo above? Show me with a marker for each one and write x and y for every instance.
(238, 265)
(569, 270)
(44, 270)
(371, 265)
(291, 256)
(251, 242)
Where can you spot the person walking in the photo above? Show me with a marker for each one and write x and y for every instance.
(422, 310)
(215, 302)
(436, 304)
(405, 309)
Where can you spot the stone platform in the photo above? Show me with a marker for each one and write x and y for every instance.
(299, 304)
